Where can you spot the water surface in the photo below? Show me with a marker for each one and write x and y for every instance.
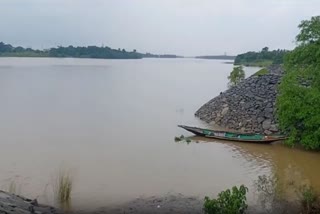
(112, 123)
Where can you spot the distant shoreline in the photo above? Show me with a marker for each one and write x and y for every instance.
(92, 52)
(223, 57)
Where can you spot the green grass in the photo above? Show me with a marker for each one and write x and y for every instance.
(257, 63)
(261, 72)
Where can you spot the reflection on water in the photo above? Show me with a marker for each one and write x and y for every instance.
(292, 168)
(113, 123)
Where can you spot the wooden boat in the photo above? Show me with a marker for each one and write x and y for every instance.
(234, 136)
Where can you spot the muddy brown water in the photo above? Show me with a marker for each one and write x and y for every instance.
(112, 123)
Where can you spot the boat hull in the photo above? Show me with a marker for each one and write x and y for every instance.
(233, 136)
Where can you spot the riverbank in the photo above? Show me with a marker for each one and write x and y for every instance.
(14, 204)
(260, 63)
(180, 204)
(169, 203)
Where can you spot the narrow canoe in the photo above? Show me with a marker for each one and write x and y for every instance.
(234, 136)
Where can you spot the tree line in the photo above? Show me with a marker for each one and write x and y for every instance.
(263, 58)
(93, 52)
(7, 50)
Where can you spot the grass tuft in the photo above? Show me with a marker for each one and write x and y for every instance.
(12, 187)
(63, 188)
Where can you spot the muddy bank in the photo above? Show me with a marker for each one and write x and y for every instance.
(156, 204)
(170, 203)
(14, 204)
(182, 204)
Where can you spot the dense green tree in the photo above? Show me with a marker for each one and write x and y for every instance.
(299, 92)
(236, 76)
(309, 31)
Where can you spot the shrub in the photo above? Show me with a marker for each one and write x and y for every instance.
(228, 202)
(236, 76)
(299, 92)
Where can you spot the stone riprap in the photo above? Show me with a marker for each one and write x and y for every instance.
(247, 107)
(14, 204)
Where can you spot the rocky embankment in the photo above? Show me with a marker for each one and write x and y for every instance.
(14, 204)
(247, 107)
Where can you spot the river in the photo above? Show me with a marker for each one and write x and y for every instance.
(112, 123)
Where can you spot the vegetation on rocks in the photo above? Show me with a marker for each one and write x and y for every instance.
(299, 92)
(261, 72)
(236, 76)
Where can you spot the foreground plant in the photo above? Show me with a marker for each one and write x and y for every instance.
(228, 202)
(63, 188)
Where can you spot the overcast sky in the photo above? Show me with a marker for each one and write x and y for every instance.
(186, 27)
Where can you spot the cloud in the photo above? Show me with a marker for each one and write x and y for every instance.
(187, 27)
